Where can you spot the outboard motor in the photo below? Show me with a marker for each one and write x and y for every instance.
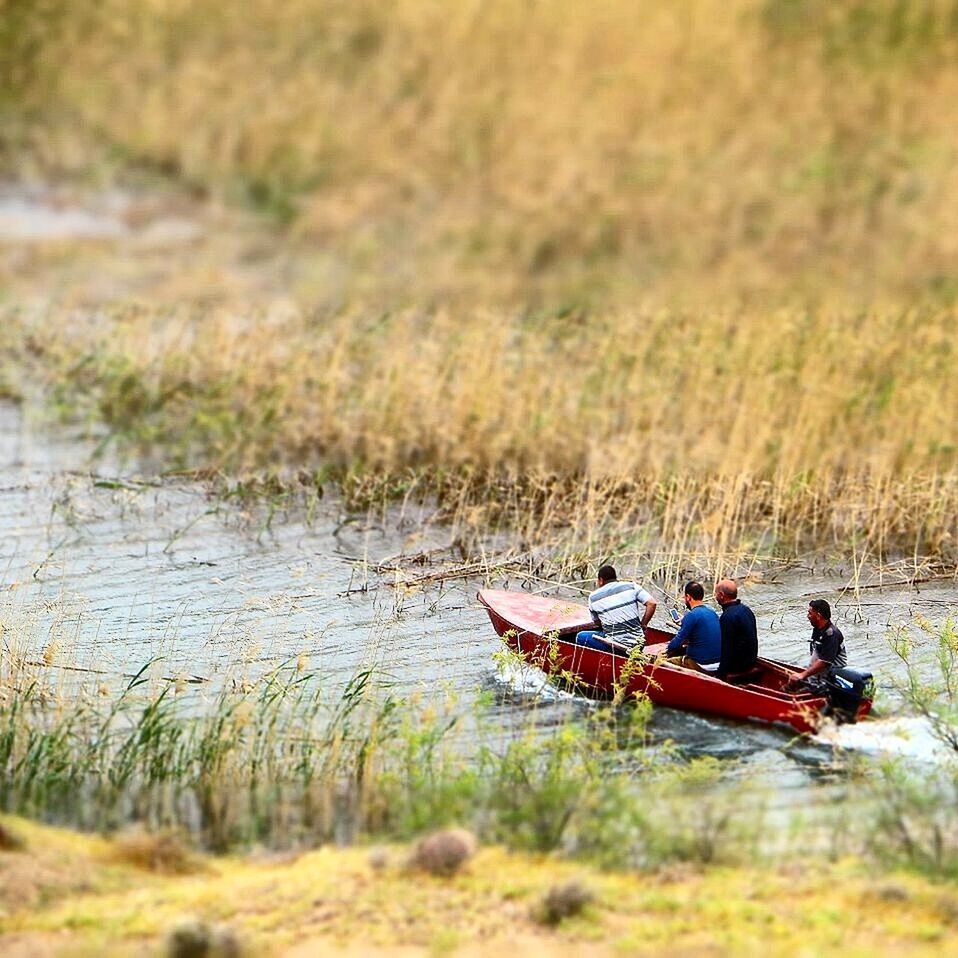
(845, 689)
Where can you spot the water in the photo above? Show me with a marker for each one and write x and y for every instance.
(118, 570)
(105, 570)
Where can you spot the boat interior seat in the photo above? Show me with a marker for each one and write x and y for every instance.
(744, 678)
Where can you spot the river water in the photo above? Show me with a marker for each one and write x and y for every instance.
(104, 567)
(104, 570)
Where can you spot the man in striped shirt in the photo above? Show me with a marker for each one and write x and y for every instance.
(621, 611)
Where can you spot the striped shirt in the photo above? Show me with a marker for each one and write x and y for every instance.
(619, 606)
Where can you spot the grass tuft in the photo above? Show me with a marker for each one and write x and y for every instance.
(163, 852)
(10, 841)
(194, 938)
(443, 853)
(564, 901)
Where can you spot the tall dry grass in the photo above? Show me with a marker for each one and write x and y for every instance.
(514, 150)
(803, 428)
(687, 268)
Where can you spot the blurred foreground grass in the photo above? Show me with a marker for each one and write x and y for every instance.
(334, 901)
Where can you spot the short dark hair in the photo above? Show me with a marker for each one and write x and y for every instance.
(695, 590)
(606, 573)
(822, 608)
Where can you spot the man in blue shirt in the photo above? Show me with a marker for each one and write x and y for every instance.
(698, 643)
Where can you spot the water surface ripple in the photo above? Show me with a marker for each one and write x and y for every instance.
(104, 570)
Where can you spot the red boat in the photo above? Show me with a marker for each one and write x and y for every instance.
(543, 630)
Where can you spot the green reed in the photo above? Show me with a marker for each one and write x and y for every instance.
(285, 762)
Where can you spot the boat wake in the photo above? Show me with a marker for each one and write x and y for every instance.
(905, 737)
(527, 680)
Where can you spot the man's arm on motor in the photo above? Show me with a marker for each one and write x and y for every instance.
(818, 666)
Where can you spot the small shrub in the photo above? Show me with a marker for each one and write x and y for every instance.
(162, 852)
(443, 853)
(194, 938)
(564, 901)
(891, 892)
(189, 938)
(9, 840)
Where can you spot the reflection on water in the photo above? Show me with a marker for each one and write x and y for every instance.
(106, 571)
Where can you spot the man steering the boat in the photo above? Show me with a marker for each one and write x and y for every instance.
(620, 611)
(826, 646)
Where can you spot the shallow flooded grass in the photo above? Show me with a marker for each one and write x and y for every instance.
(770, 445)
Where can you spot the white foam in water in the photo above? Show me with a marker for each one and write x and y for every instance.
(909, 737)
(528, 680)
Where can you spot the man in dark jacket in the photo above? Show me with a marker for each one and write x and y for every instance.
(739, 631)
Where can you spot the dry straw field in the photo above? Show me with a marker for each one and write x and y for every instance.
(689, 265)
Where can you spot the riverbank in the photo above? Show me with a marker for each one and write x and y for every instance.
(66, 893)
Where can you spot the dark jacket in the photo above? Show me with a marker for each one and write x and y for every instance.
(828, 645)
(739, 639)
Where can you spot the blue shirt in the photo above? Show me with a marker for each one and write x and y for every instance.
(701, 630)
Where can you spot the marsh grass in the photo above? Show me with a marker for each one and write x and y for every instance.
(283, 762)
(913, 819)
(632, 273)
(503, 429)
(279, 763)
(555, 155)
(912, 805)
(228, 769)
(758, 444)
(929, 683)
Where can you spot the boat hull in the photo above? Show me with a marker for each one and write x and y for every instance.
(543, 630)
